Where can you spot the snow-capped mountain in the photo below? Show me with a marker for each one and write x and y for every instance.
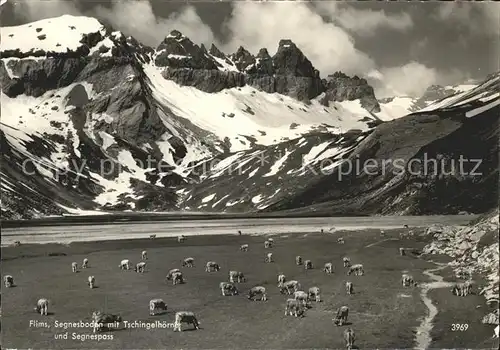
(95, 120)
(399, 106)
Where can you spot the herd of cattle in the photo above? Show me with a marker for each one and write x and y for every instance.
(296, 305)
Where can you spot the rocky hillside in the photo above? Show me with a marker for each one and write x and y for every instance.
(94, 120)
(475, 251)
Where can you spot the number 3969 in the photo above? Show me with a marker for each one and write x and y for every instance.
(459, 327)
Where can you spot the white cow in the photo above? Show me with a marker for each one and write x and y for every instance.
(91, 281)
(496, 331)
(257, 290)
(185, 317)
(308, 265)
(328, 267)
(298, 260)
(269, 258)
(281, 280)
(346, 261)
(302, 297)
(268, 244)
(188, 262)
(144, 255)
(140, 267)
(236, 276)
(290, 287)
(356, 269)
(156, 304)
(181, 238)
(244, 247)
(171, 273)
(341, 317)
(102, 321)
(340, 240)
(124, 264)
(42, 306)
(228, 288)
(402, 252)
(349, 288)
(177, 278)
(294, 308)
(85, 263)
(8, 281)
(407, 280)
(314, 294)
(349, 338)
(74, 266)
(212, 266)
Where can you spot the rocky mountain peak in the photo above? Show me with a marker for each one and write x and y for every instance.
(340, 87)
(263, 54)
(214, 51)
(242, 58)
(289, 60)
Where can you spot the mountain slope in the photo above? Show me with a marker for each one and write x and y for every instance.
(387, 186)
(94, 119)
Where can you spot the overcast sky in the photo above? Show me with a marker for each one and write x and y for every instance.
(401, 47)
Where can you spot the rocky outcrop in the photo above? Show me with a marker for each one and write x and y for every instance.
(205, 80)
(475, 251)
(340, 87)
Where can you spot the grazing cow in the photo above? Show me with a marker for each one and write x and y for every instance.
(17, 243)
(357, 270)
(42, 306)
(402, 252)
(212, 266)
(257, 290)
(144, 255)
(382, 233)
(314, 294)
(346, 261)
(185, 317)
(496, 331)
(340, 240)
(328, 268)
(290, 287)
(407, 280)
(156, 304)
(236, 275)
(85, 263)
(8, 280)
(349, 288)
(269, 258)
(124, 264)
(104, 321)
(462, 289)
(152, 236)
(349, 338)
(244, 248)
(281, 280)
(171, 273)
(177, 278)
(228, 288)
(341, 317)
(74, 266)
(188, 262)
(268, 244)
(140, 267)
(91, 281)
(302, 297)
(181, 238)
(298, 260)
(308, 265)
(294, 308)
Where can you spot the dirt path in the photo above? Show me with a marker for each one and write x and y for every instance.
(423, 336)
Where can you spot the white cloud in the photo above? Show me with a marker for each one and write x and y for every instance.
(136, 18)
(363, 21)
(412, 79)
(479, 17)
(328, 46)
